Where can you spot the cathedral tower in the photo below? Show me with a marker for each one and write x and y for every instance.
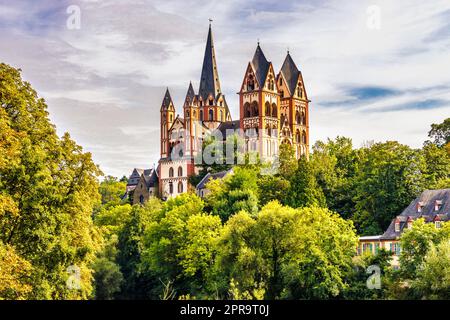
(213, 108)
(167, 112)
(259, 106)
(294, 107)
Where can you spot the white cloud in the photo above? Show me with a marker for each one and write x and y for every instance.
(104, 83)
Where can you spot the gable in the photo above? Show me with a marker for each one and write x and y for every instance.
(249, 78)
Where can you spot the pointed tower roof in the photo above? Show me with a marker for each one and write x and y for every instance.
(290, 73)
(167, 100)
(209, 81)
(260, 65)
(190, 93)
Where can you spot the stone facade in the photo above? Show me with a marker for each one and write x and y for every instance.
(273, 109)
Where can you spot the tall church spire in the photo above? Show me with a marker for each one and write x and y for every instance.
(209, 81)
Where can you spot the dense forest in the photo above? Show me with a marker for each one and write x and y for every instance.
(287, 235)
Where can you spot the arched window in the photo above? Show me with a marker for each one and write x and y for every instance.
(299, 90)
(303, 118)
(211, 114)
(297, 136)
(250, 83)
(304, 137)
(170, 172)
(274, 110)
(247, 110)
(255, 111)
(267, 107)
(170, 187)
(268, 130)
(271, 84)
(141, 199)
(180, 171)
(297, 118)
(221, 115)
(194, 114)
(187, 113)
(211, 102)
(180, 187)
(201, 115)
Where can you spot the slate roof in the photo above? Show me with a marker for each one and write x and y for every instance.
(212, 176)
(427, 200)
(167, 100)
(260, 65)
(290, 73)
(209, 81)
(190, 95)
(228, 125)
(151, 179)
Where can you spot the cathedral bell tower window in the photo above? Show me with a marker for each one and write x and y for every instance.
(250, 83)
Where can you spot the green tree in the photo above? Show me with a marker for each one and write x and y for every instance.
(335, 164)
(237, 191)
(440, 133)
(107, 275)
(287, 163)
(433, 280)
(305, 191)
(15, 279)
(137, 284)
(112, 191)
(390, 176)
(272, 188)
(49, 186)
(285, 253)
(166, 237)
(437, 172)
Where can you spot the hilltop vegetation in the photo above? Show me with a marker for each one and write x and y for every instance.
(291, 235)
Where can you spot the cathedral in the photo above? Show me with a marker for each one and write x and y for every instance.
(273, 110)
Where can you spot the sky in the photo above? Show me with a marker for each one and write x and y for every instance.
(373, 70)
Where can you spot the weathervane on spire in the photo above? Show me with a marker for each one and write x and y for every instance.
(210, 20)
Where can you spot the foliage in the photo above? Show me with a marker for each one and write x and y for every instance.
(440, 133)
(287, 163)
(271, 188)
(390, 176)
(48, 190)
(111, 191)
(285, 253)
(433, 282)
(15, 280)
(235, 192)
(304, 191)
(335, 164)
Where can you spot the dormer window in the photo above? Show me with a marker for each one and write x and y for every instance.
(409, 223)
(397, 225)
(419, 206)
(437, 205)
